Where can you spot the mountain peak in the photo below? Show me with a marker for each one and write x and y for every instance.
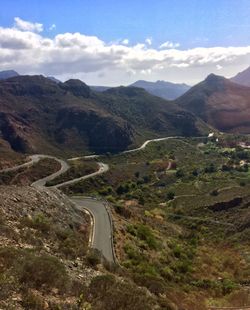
(76, 87)
(221, 103)
(213, 77)
(8, 74)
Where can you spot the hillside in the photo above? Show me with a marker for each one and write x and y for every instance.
(181, 215)
(221, 103)
(45, 262)
(163, 89)
(99, 88)
(39, 115)
(242, 78)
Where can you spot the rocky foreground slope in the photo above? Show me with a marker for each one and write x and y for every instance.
(45, 262)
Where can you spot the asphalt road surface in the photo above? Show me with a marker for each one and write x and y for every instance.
(102, 226)
(33, 159)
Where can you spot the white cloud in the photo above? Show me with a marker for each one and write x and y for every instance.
(125, 41)
(27, 26)
(219, 67)
(78, 55)
(149, 41)
(52, 27)
(168, 44)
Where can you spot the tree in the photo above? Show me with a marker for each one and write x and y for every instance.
(137, 174)
(179, 173)
(170, 195)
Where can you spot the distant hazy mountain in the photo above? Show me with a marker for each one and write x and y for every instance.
(7, 74)
(242, 78)
(12, 73)
(221, 103)
(165, 90)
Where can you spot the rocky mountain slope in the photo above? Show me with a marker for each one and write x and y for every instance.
(31, 250)
(221, 103)
(242, 78)
(38, 115)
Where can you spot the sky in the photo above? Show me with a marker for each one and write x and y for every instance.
(118, 42)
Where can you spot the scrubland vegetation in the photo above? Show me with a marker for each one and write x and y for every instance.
(181, 210)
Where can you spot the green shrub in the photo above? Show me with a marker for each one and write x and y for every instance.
(177, 251)
(153, 284)
(108, 293)
(210, 169)
(133, 253)
(110, 199)
(146, 269)
(179, 173)
(214, 192)
(137, 174)
(183, 266)
(38, 222)
(170, 195)
(73, 247)
(94, 257)
(8, 256)
(43, 271)
(123, 211)
(228, 286)
(32, 301)
(145, 233)
(167, 273)
(122, 189)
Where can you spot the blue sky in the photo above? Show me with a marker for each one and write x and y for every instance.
(190, 22)
(183, 24)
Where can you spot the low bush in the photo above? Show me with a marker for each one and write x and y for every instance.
(108, 293)
(153, 284)
(43, 272)
(94, 257)
(38, 222)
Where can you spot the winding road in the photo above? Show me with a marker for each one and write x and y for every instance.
(33, 159)
(102, 169)
(102, 237)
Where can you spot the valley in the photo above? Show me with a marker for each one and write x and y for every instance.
(179, 208)
(124, 155)
(158, 204)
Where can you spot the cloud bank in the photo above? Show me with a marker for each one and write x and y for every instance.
(24, 48)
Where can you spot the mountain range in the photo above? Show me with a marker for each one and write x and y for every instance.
(38, 115)
(163, 89)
